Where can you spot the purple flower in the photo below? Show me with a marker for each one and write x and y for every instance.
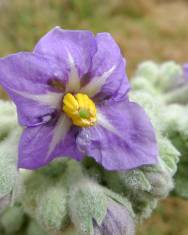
(185, 71)
(71, 97)
(117, 221)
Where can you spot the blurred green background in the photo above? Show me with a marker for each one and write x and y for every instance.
(144, 29)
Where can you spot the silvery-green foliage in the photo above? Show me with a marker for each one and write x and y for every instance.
(8, 118)
(157, 78)
(10, 180)
(45, 198)
(52, 208)
(169, 155)
(173, 92)
(61, 193)
(143, 84)
(170, 74)
(87, 203)
(176, 118)
(87, 200)
(9, 175)
(148, 70)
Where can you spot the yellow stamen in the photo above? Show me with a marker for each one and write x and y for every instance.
(80, 109)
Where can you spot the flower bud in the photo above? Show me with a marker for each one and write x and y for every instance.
(161, 183)
(117, 221)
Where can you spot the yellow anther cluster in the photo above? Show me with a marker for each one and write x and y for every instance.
(80, 109)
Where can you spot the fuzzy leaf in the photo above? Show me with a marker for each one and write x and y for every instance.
(9, 175)
(45, 196)
(87, 203)
(169, 154)
(135, 180)
(52, 211)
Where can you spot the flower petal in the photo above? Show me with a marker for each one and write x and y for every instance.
(40, 145)
(74, 48)
(107, 71)
(123, 138)
(185, 71)
(26, 76)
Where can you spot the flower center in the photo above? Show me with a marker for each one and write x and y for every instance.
(80, 109)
